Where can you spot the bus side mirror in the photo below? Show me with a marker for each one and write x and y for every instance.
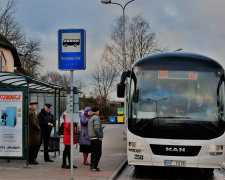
(218, 101)
(120, 90)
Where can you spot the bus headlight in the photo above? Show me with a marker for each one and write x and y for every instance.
(135, 150)
(215, 150)
(135, 145)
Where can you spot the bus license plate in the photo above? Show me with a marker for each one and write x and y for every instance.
(175, 163)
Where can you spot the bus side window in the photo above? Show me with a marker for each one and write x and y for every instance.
(131, 97)
(132, 90)
(221, 95)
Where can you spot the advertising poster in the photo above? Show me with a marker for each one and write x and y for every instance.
(120, 111)
(11, 123)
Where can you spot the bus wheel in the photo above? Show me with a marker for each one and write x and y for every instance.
(138, 168)
(209, 171)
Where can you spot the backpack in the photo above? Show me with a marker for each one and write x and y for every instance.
(61, 129)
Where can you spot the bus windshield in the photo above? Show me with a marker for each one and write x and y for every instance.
(176, 104)
(176, 95)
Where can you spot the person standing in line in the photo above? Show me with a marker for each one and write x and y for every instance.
(34, 134)
(95, 133)
(46, 120)
(84, 141)
(66, 142)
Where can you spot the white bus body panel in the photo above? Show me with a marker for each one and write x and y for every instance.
(202, 160)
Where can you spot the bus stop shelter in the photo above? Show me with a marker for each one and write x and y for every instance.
(16, 91)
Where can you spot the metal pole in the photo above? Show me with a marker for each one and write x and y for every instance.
(124, 68)
(27, 99)
(71, 125)
(124, 59)
(59, 119)
(54, 140)
(58, 111)
(55, 112)
(124, 41)
(123, 31)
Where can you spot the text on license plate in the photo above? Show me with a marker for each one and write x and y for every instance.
(175, 163)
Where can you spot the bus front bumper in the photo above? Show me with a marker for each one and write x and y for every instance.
(172, 161)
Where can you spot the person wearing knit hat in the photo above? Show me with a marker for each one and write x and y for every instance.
(33, 102)
(95, 109)
(84, 141)
(95, 133)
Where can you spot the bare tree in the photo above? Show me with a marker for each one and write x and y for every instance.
(62, 80)
(29, 50)
(103, 77)
(9, 27)
(30, 58)
(56, 78)
(140, 41)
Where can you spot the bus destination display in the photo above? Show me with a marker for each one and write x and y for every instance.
(189, 75)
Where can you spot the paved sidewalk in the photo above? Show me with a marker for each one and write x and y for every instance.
(114, 153)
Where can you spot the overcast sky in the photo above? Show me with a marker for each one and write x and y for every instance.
(195, 25)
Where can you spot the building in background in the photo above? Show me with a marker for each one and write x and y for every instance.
(9, 59)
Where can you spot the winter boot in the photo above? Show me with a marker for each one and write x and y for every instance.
(85, 155)
(70, 163)
(64, 161)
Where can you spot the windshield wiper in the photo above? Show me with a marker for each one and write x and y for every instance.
(157, 100)
(156, 104)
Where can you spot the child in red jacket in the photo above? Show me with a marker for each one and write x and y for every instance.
(66, 141)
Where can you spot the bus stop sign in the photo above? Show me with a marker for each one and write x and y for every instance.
(72, 49)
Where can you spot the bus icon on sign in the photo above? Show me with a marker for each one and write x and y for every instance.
(71, 42)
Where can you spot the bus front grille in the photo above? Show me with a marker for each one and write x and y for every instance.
(168, 150)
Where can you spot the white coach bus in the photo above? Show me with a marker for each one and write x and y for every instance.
(175, 111)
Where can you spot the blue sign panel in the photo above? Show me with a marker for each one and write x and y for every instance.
(72, 49)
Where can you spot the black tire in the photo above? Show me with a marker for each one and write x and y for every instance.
(138, 168)
(209, 171)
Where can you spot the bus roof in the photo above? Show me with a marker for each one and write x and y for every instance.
(177, 61)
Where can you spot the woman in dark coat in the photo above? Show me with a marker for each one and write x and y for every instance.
(66, 142)
(85, 143)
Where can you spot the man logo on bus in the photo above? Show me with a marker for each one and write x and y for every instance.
(175, 149)
(71, 42)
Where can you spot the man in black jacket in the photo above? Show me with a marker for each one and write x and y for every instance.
(46, 121)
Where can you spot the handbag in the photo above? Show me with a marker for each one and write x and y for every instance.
(61, 129)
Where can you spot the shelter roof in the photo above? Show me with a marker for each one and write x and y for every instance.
(19, 80)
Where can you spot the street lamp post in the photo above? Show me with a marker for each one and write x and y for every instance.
(123, 29)
(124, 55)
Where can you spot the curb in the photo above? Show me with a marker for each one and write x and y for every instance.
(219, 174)
(118, 170)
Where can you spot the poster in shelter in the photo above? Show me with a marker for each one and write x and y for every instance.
(11, 113)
